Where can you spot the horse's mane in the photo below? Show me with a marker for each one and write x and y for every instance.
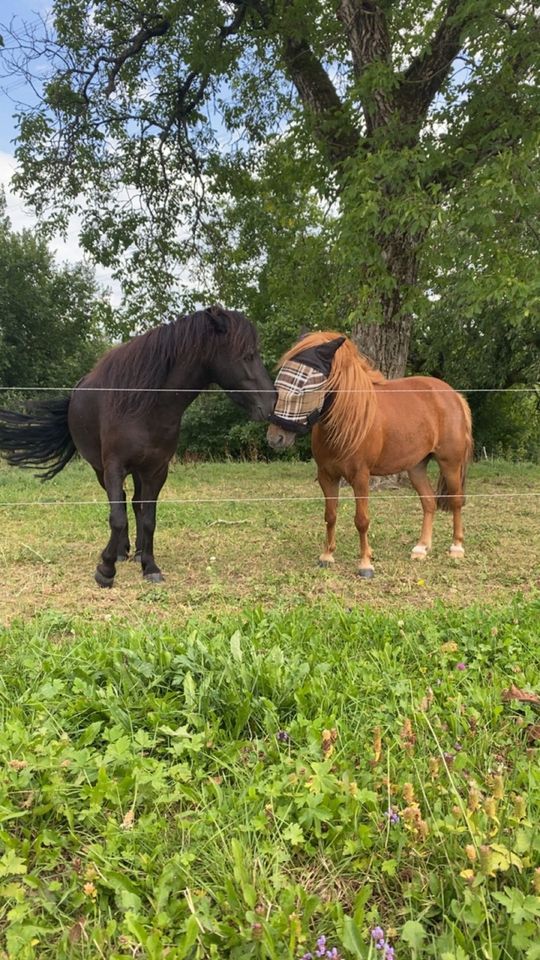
(145, 361)
(351, 379)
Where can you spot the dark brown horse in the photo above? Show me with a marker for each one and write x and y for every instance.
(124, 417)
(365, 425)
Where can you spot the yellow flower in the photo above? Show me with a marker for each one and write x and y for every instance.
(90, 890)
(423, 829)
(408, 793)
(470, 850)
(498, 787)
(486, 858)
(449, 647)
(434, 767)
(475, 797)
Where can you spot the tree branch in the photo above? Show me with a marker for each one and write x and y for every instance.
(333, 129)
(135, 46)
(367, 31)
(427, 73)
(480, 139)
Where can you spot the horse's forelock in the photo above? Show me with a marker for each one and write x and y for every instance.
(351, 379)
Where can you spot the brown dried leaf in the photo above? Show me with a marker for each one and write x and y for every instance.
(129, 820)
(524, 696)
(18, 764)
(329, 738)
(533, 732)
(77, 931)
(377, 744)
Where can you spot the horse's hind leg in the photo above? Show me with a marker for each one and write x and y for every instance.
(420, 481)
(360, 485)
(113, 480)
(138, 511)
(330, 488)
(123, 544)
(150, 488)
(450, 497)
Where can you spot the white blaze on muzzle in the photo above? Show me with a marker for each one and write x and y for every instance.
(301, 396)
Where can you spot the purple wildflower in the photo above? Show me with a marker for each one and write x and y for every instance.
(283, 736)
(461, 666)
(377, 933)
(389, 953)
(381, 944)
(321, 946)
(307, 956)
(392, 815)
(332, 954)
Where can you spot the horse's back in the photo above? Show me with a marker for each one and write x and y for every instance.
(416, 416)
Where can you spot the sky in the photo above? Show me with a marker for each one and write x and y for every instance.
(66, 248)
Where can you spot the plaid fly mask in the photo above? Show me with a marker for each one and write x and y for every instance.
(301, 395)
(302, 385)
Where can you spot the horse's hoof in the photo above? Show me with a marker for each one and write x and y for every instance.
(154, 577)
(419, 552)
(325, 564)
(122, 557)
(102, 580)
(366, 573)
(456, 552)
(137, 557)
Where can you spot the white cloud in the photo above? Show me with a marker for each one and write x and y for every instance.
(65, 248)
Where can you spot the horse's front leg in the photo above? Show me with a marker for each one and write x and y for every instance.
(330, 488)
(360, 485)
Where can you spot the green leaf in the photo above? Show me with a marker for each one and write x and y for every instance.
(294, 834)
(352, 938)
(236, 649)
(414, 934)
(12, 865)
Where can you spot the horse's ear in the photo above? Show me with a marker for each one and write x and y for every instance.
(326, 351)
(218, 317)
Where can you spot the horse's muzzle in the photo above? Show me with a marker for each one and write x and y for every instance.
(279, 439)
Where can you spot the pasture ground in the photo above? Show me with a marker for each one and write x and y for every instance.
(261, 753)
(223, 555)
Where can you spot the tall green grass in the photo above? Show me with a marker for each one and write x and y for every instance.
(240, 788)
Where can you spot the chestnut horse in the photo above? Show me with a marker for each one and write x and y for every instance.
(124, 417)
(365, 425)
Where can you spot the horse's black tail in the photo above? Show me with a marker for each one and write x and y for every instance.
(39, 438)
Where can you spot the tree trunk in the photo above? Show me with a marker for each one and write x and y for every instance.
(386, 344)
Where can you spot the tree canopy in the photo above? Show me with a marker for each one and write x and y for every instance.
(375, 120)
(54, 322)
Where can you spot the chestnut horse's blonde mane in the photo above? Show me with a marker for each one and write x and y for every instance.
(352, 412)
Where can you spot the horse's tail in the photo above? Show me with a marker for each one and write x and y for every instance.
(40, 438)
(444, 502)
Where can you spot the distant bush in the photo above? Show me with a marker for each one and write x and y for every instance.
(214, 428)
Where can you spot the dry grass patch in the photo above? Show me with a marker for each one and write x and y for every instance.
(262, 551)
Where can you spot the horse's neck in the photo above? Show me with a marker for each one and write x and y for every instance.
(189, 380)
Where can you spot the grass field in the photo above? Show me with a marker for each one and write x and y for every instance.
(260, 754)
(224, 555)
